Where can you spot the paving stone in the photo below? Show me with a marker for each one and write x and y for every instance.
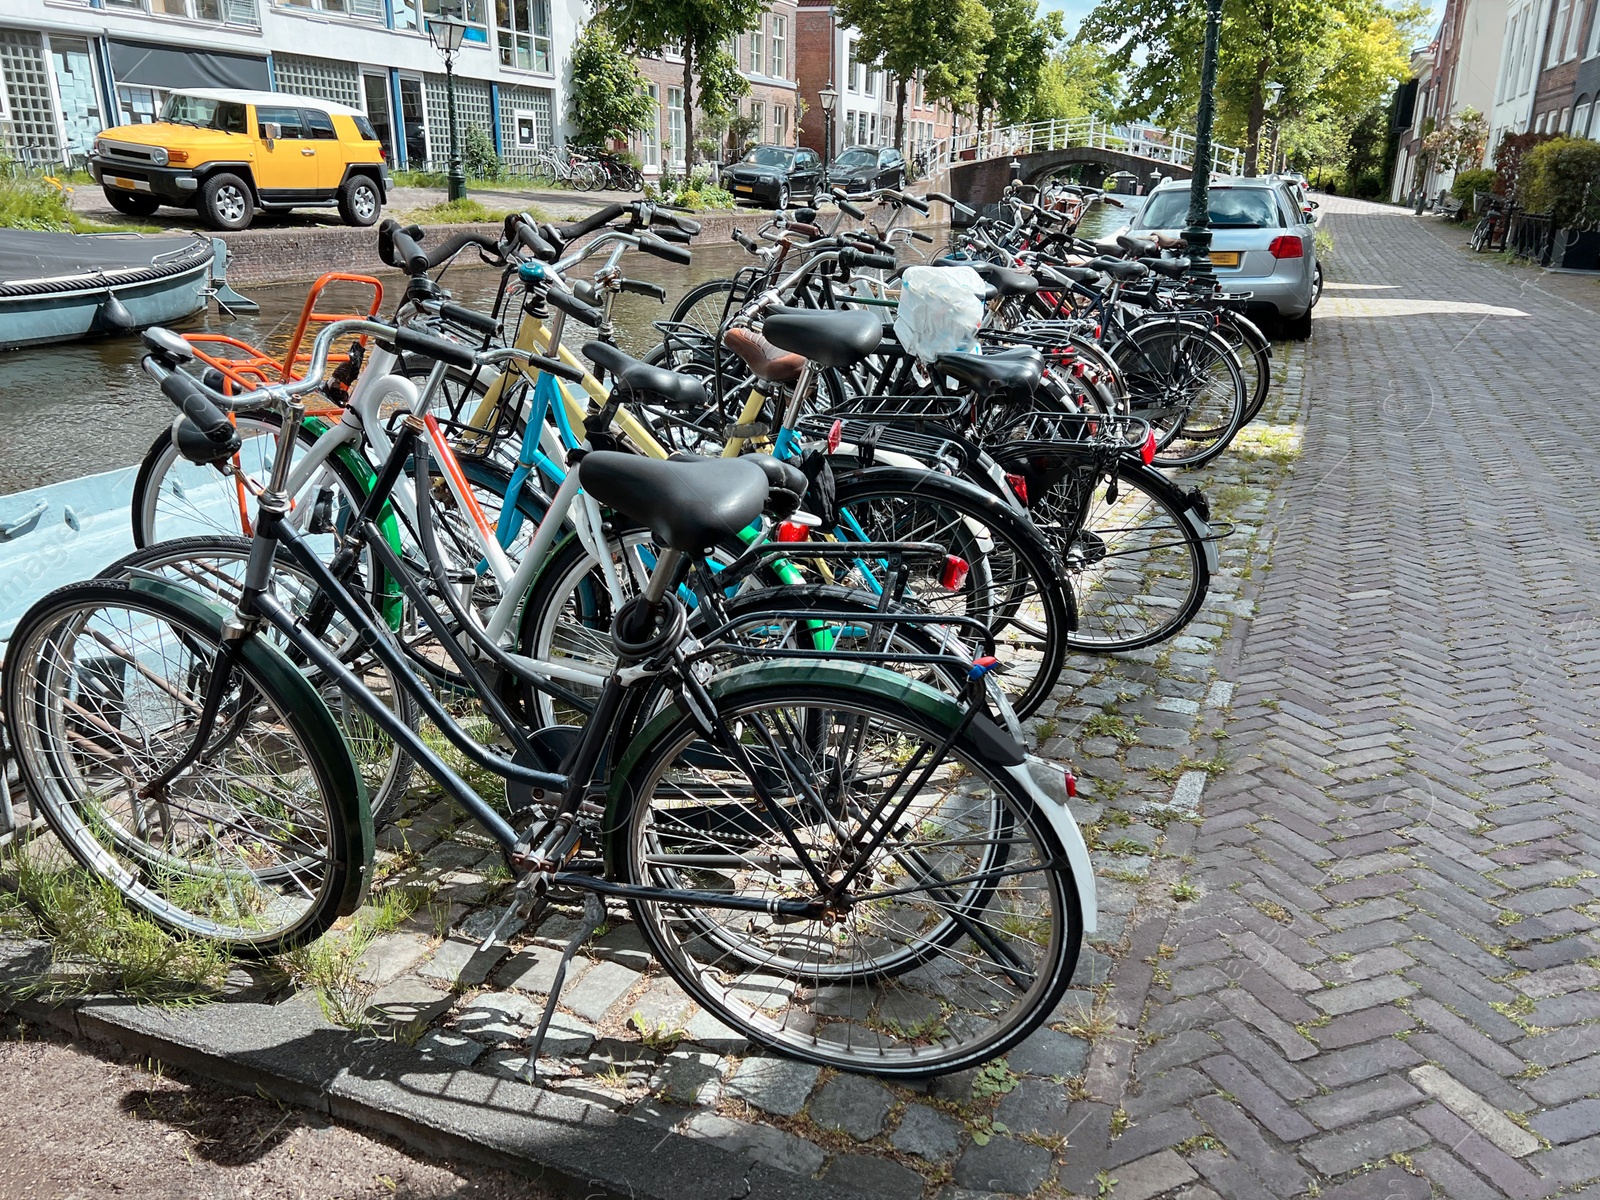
(1475, 1111)
(1335, 1153)
(626, 945)
(392, 955)
(449, 1046)
(1260, 1101)
(927, 1133)
(1364, 1026)
(534, 970)
(458, 963)
(1242, 1137)
(602, 986)
(854, 1104)
(764, 1143)
(1036, 1107)
(1006, 1166)
(1569, 1123)
(1388, 1182)
(1159, 1132)
(774, 1085)
(714, 1035)
(689, 1077)
(872, 1176)
(1049, 1053)
(1362, 1102)
(1147, 1177)
(1344, 1067)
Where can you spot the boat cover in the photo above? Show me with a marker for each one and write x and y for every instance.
(36, 263)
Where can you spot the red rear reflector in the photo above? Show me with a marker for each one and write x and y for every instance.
(1287, 246)
(1148, 450)
(792, 531)
(835, 436)
(1019, 485)
(1077, 370)
(1072, 785)
(1097, 333)
(955, 572)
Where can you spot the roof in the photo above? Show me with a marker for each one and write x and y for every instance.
(244, 96)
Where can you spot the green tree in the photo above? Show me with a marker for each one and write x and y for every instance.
(943, 40)
(1078, 81)
(1336, 60)
(609, 99)
(1015, 58)
(698, 29)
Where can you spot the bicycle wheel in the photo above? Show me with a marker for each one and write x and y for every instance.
(262, 843)
(1012, 584)
(1254, 353)
(214, 568)
(1186, 381)
(954, 941)
(705, 305)
(1137, 565)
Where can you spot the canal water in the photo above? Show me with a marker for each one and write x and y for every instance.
(86, 407)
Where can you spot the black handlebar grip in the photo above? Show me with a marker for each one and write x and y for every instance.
(436, 348)
(470, 317)
(845, 206)
(666, 250)
(883, 262)
(670, 233)
(554, 366)
(745, 240)
(575, 308)
(409, 257)
(520, 230)
(386, 241)
(922, 237)
(592, 222)
(190, 398)
(640, 287)
(683, 224)
(911, 201)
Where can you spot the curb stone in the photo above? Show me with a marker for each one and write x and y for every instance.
(291, 1053)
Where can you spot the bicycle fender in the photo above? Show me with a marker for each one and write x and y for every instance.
(986, 736)
(308, 708)
(1202, 530)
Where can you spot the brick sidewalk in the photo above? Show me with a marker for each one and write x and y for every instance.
(1389, 986)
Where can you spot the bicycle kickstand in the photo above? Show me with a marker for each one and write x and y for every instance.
(594, 916)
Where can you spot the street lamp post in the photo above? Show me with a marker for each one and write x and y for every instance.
(829, 98)
(1198, 234)
(1275, 94)
(446, 33)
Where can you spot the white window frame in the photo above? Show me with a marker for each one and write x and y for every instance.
(650, 138)
(780, 124)
(779, 47)
(677, 130)
(1594, 34)
(758, 64)
(1558, 32)
(850, 65)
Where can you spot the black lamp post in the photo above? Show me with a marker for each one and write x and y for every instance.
(1275, 91)
(1198, 234)
(446, 33)
(829, 99)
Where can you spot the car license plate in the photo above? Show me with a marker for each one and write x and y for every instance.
(743, 187)
(132, 185)
(1224, 258)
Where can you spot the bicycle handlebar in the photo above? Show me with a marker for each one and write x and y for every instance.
(399, 247)
(190, 397)
(651, 244)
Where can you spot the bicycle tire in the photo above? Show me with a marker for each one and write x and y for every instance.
(305, 754)
(1162, 362)
(901, 1015)
(213, 567)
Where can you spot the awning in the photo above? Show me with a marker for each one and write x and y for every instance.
(171, 67)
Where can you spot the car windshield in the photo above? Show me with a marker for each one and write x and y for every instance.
(856, 158)
(1231, 208)
(204, 113)
(769, 156)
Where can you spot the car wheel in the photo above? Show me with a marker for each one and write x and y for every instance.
(1316, 286)
(358, 201)
(225, 202)
(1297, 329)
(783, 197)
(900, 182)
(131, 203)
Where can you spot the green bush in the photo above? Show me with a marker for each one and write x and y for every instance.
(1369, 184)
(478, 155)
(1562, 177)
(1467, 184)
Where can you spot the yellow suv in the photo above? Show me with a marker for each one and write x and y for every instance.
(227, 153)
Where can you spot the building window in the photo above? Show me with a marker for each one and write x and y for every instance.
(523, 30)
(1558, 32)
(870, 78)
(413, 14)
(675, 127)
(1574, 31)
(366, 10)
(852, 68)
(780, 124)
(757, 66)
(1566, 116)
(780, 51)
(758, 121)
(650, 139)
(1594, 33)
(1580, 118)
(320, 77)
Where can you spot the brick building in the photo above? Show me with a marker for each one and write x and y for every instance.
(865, 111)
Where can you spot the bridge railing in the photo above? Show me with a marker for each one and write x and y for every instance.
(1141, 140)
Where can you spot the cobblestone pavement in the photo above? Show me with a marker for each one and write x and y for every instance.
(1343, 826)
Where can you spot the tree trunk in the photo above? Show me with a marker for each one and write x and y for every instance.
(1257, 118)
(900, 117)
(688, 103)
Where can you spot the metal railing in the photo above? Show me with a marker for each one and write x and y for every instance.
(1134, 138)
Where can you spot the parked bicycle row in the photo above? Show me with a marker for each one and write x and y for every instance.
(747, 629)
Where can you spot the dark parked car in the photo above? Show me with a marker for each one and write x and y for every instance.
(774, 175)
(866, 168)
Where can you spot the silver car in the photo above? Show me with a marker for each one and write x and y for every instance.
(1262, 242)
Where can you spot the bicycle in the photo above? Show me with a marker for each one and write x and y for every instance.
(783, 833)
